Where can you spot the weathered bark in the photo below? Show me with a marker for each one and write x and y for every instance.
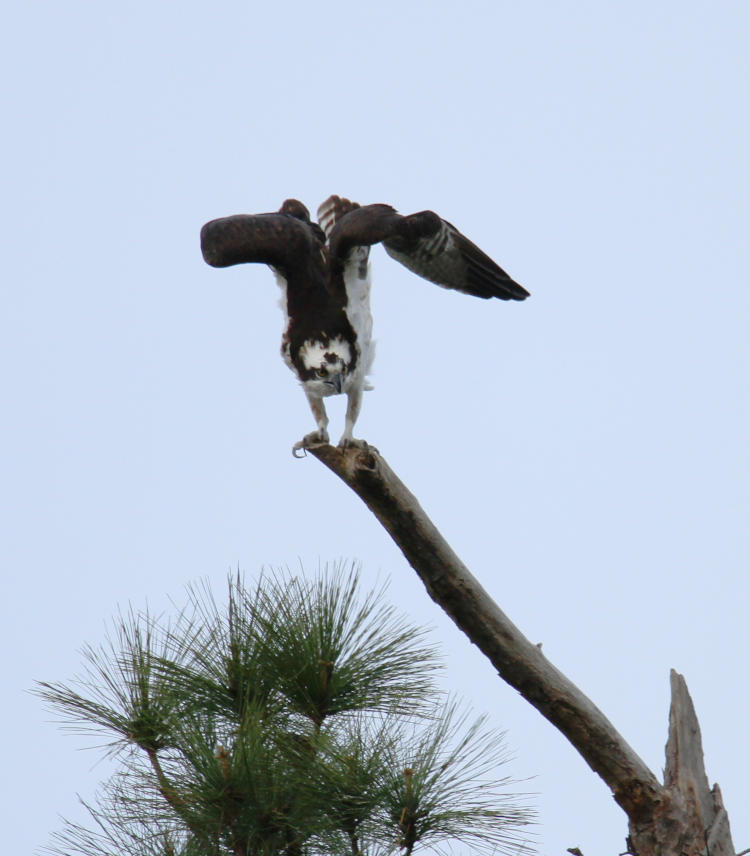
(692, 820)
(674, 819)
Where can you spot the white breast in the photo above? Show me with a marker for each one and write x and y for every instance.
(357, 284)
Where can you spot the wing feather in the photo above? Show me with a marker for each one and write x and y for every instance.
(423, 242)
(352, 254)
(280, 240)
(332, 210)
(448, 258)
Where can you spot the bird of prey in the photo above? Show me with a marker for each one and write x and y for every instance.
(324, 274)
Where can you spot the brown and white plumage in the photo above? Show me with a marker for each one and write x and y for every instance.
(323, 271)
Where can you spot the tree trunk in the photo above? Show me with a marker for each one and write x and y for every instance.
(682, 817)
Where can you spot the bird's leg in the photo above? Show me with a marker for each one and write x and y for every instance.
(321, 418)
(353, 406)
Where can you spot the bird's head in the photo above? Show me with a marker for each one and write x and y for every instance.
(295, 208)
(325, 366)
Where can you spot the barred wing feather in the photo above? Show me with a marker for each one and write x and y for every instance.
(450, 259)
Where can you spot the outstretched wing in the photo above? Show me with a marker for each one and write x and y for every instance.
(448, 258)
(426, 244)
(281, 240)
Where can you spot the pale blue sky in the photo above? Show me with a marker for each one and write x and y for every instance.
(585, 452)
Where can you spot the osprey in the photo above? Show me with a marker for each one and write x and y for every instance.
(323, 271)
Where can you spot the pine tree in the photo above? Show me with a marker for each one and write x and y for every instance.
(294, 720)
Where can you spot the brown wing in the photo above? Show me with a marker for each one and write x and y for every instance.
(444, 256)
(360, 226)
(281, 240)
(426, 244)
(332, 210)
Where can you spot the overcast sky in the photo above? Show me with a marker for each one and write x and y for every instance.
(586, 452)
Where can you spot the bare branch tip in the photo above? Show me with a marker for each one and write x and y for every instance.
(350, 458)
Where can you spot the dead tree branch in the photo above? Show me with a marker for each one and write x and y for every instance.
(682, 817)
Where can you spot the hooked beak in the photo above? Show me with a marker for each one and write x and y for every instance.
(337, 382)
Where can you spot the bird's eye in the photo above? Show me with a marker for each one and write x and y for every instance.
(321, 372)
(344, 370)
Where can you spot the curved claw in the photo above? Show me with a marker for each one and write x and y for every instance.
(314, 438)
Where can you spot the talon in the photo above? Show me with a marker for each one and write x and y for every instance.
(314, 438)
(354, 443)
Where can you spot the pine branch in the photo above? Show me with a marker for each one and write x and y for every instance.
(171, 795)
(281, 724)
